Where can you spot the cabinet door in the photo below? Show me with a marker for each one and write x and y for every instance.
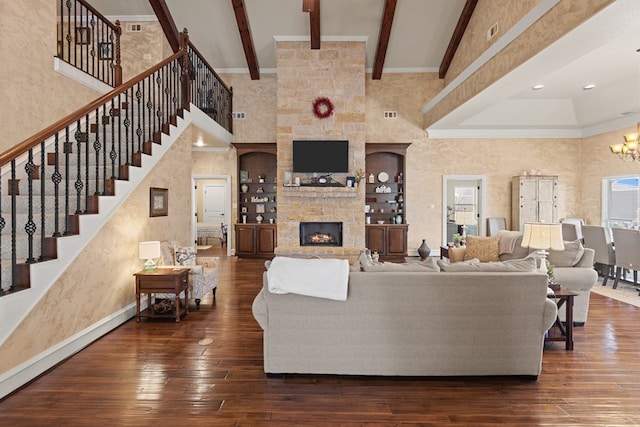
(528, 190)
(245, 240)
(376, 239)
(266, 240)
(397, 241)
(546, 190)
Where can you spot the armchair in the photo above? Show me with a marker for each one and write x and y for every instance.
(203, 271)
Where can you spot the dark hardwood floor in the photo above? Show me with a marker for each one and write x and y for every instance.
(157, 373)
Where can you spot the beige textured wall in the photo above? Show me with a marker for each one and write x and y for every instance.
(597, 163)
(100, 281)
(32, 95)
(256, 98)
(562, 18)
(134, 46)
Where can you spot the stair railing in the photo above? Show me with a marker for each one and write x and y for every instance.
(89, 41)
(58, 174)
(209, 93)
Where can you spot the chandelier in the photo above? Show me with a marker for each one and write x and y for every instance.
(629, 150)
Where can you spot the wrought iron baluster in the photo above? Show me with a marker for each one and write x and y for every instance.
(14, 228)
(67, 207)
(113, 155)
(105, 122)
(85, 139)
(78, 185)
(43, 208)
(30, 226)
(97, 147)
(139, 132)
(56, 178)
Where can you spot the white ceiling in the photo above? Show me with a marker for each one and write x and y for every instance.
(602, 51)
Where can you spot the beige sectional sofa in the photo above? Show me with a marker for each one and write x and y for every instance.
(410, 323)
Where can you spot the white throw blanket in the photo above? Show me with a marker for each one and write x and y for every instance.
(508, 241)
(321, 278)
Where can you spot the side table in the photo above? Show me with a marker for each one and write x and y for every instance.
(560, 332)
(162, 280)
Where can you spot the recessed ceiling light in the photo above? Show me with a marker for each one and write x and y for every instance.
(589, 86)
(538, 86)
(199, 143)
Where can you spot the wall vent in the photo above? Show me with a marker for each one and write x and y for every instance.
(238, 115)
(390, 114)
(134, 28)
(492, 31)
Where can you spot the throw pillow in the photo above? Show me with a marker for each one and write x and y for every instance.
(167, 254)
(569, 257)
(186, 255)
(486, 249)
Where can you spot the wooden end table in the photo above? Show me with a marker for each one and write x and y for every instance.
(162, 280)
(560, 332)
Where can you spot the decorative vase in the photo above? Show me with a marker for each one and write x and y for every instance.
(259, 218)
(424, 250)
(244, 188)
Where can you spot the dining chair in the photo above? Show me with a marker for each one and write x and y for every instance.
(495, 224)
(598, 239)
(627, 246)
(578, 223)
(569, 232)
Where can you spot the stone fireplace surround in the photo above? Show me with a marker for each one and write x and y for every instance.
(336, 71)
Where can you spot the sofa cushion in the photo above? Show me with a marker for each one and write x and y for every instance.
(569, 257)
(525, 265)
(186, 255)
(415, 266)
(486, 249)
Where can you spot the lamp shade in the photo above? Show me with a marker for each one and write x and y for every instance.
(540, 235)
(464, 217)
(149, 250)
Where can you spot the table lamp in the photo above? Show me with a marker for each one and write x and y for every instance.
(463, 218)
(149, 251)
(543, 236)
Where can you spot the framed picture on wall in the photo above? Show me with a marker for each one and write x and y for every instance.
(260, 208)
(105, 51)
(158, 201)
(83, 35)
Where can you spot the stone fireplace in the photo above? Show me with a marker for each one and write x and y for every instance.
(320, 233)
(336, 71)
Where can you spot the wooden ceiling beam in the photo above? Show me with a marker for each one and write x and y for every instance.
(167, 23)
(245, 35)
(314, 25)
(456, 37)
(383, 37)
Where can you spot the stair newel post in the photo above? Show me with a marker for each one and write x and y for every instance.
(117, 70)
(186, 67)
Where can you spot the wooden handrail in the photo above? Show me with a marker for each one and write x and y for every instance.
(99, 15)
(48, 132)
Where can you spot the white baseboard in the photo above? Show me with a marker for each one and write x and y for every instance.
(29, 370)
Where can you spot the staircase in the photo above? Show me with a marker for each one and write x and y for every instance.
(60, 186)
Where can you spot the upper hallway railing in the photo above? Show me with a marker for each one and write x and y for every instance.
(89, 41)
(58, 173)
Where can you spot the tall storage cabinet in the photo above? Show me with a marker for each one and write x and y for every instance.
(255, 228)
(385, 204)
(534, 198)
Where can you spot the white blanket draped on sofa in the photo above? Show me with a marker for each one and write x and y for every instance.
(321, 278)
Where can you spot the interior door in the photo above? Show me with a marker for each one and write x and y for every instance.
(214, 206)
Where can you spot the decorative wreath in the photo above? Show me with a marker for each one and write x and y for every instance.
(322, 107)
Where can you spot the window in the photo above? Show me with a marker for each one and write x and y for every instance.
(620, 201)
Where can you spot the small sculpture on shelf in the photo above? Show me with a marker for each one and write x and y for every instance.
(261, 177)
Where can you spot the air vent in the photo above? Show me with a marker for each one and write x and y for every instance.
(134, 28)
(492, 31)
(238, 115)
(390, 114)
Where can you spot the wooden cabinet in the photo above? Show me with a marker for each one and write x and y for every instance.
(255, 240)
(255, 229)
(534, 198)
(385, 201)
(390, 241)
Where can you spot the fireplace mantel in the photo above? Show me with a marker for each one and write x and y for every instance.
(327, 192)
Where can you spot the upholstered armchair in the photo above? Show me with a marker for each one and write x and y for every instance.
(203, 271)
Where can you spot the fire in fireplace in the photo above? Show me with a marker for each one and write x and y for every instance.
(320, 234)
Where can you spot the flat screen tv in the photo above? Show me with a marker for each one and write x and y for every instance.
(327, 156)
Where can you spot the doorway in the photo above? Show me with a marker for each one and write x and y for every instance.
(463, 206)
(211, 203)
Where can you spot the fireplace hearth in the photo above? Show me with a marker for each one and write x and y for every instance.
(320, 234)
